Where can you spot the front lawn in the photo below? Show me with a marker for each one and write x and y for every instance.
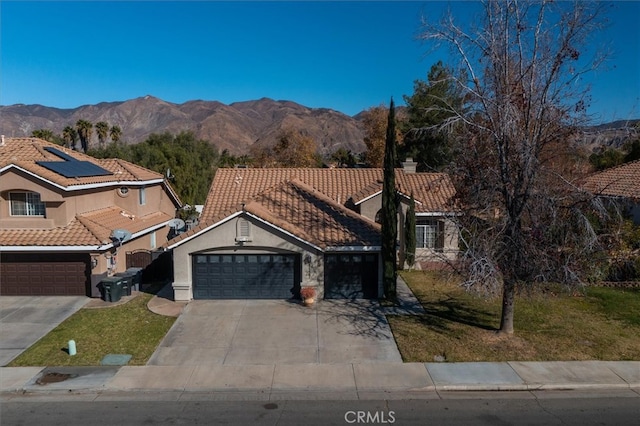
(597, 324)
(129, 328)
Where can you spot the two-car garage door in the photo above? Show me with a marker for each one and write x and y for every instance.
(244, 276)
(46, 274)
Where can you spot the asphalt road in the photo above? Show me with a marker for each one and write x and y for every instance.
(559, 410)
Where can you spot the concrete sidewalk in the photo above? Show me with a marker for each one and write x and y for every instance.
(329, 381)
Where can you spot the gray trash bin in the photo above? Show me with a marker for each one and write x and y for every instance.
(111, 288)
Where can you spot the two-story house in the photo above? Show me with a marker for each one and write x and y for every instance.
(67, 220)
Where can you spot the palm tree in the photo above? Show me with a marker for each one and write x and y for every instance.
(116, 133)
(70, 135)
(45, 134)
(85, 129)
(102, 130)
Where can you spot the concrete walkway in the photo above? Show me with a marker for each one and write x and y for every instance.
(328, 381)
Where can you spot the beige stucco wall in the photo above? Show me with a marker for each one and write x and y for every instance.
(264, 239)
(63, 206)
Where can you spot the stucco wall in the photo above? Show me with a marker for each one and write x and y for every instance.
(264, 239)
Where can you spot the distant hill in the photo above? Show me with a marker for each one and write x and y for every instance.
(238, 126)
(235, 127)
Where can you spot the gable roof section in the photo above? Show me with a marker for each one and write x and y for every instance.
(314, 217)
(310, 203)
(620, 181)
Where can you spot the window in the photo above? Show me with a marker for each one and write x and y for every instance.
(143, 196)
(429, 235)
(26, 204)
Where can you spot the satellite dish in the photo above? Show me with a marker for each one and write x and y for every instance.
(176, 223)
(120, 235)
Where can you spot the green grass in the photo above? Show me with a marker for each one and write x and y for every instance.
(124, 329)
(550, 324)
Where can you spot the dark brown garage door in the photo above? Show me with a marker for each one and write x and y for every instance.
(44, 274)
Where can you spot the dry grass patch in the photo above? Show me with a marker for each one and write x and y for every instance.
(124, 329)
(551, 324)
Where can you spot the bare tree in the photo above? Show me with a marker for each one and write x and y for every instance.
(520, 71)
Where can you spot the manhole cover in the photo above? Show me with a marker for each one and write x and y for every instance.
(53, 378)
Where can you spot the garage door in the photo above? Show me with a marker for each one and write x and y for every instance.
(44, 274)
(244, 276)
(351, 276)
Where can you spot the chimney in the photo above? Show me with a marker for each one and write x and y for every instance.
(2, 142)
(409, 166)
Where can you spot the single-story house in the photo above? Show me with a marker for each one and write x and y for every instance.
(265, 233)
(67, 220)
(621, 183)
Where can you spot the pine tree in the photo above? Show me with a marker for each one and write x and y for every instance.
(389, 210)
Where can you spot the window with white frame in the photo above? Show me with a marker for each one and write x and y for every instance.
(143, 196)
(429, 234)
(26, 204)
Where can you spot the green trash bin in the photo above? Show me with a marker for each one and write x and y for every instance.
(112, 288)
(127, 282)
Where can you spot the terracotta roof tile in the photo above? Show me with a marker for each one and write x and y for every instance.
(620, 181)
(26, 152)
(310, 203)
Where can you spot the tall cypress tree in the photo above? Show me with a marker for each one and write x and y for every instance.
(410, 233)
(389, 210)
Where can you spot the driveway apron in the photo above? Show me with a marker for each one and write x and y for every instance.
(245, 332)
(26, 319)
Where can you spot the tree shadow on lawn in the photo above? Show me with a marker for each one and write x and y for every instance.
(439, 315)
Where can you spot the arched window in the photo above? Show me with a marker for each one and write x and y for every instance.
(26, 204)
(243, 230)
(378, 218)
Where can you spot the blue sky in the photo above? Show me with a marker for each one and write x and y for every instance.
(347, 56)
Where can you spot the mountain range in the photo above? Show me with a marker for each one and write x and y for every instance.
(234, 127)
(238, 126)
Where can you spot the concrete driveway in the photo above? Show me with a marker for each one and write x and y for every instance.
(244, 332)
(26, 319)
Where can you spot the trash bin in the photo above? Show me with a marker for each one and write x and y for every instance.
(127, 282)
(137, 277)
(111, 288)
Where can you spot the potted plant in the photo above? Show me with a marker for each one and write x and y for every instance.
(308, 295)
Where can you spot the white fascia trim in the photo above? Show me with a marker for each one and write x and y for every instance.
(368, 198)
(208, 228)
(86, 186)
(354, 248)
(53, 248)
(408, 197)
(283, 231)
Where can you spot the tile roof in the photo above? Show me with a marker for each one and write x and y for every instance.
(310, 202)
(314, 217)
(89, 229)
(620, 181)
(26, 152)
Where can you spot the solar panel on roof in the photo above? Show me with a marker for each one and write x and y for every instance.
(72, 167)
(59, 153)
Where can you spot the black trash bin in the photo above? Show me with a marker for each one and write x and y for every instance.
(111, 288)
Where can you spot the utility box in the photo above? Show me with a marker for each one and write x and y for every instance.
(111, 288)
